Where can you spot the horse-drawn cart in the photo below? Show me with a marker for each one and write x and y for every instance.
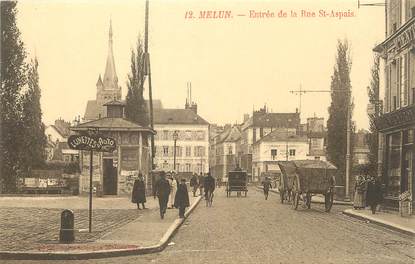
(288, 171)
(237, 182)
(306, 178)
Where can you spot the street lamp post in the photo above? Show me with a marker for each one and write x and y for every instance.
(175, 137)
(286, 141)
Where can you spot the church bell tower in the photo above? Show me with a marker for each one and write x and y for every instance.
(107, 87)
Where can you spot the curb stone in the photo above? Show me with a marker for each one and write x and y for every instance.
(60, 255)
(387, 224)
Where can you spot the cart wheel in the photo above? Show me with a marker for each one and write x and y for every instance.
(295, 200)
(282, 196)
(328, 201)
(308, 200)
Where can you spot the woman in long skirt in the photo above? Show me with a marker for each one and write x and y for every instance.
(173, 186)
(359, 193)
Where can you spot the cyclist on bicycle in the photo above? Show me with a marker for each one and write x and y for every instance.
(209, 185)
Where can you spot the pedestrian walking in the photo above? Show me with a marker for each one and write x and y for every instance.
(267, 185)
(374, 194)
(162, 191)
(209, 186)
(139, 192)
(359, 193)
(173, 189)
(201, 180)
(194, 184)
(181, 200)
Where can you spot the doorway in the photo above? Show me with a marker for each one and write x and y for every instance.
(110, 177)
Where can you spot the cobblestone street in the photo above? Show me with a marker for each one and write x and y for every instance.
(41, 225)
(252, 230)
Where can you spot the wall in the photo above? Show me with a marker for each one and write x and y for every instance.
(164, 162)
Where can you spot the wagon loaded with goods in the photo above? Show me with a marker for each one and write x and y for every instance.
(237, 182)
(304, 178)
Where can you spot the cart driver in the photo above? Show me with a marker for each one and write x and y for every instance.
(267, 185)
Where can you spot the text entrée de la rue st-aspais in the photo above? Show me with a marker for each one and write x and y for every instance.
(259, 14)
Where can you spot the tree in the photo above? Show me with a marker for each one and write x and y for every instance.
(372, 138)
(33, 138)
(337, 121)
(136, 108)
(13, 78)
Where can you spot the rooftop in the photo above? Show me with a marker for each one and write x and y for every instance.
(111, 123)
(92, 110)
(178, 116)
(282, 136)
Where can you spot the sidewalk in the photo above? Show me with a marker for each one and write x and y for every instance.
(315, 199)
(118, 227)
(390, 220)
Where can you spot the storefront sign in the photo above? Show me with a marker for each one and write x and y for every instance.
(95, 143)
(397, 118)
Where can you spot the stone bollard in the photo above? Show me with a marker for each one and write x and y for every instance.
(67, 232)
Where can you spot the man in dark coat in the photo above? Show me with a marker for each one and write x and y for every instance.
(201, 183)
(209, 184)
(139, 192)
(181, 200)
(267, 185)
(194, 184)
(374, 194)
(162, 191)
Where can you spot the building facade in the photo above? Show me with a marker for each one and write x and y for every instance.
(260, 124)
(396, 123)
(279, 145)
(192, 143)
(226, 151)
(316, 133)
(57, 147)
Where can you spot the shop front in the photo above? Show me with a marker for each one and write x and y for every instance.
(397, 132)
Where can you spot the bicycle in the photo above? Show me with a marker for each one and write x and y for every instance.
(209, 198)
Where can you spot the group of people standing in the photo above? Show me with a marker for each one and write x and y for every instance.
(166, 189)
(205, 184)
(368, 192)
(169, 189)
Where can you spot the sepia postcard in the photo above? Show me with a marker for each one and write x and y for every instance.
(240, 131)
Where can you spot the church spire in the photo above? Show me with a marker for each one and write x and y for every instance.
(110, 76)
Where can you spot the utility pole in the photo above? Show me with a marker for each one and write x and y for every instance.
(286, 142)
(299, 92)
(348, 131)
(150, 92)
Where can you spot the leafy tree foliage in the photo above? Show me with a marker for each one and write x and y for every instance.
(34, 138)
(136, 108)
(372, 139)
(337, 121)
(13, 78)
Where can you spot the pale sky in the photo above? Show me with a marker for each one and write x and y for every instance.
(234, 64)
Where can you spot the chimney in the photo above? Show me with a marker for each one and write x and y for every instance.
(189, 103)
(246, 117)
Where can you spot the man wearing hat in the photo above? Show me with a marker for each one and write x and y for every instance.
(181, 200)
(162, 191)
(139, 192)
